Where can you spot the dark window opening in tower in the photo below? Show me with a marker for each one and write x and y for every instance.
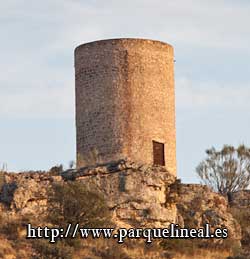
(158, 153)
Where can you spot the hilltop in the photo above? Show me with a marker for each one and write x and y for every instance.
(134, 195)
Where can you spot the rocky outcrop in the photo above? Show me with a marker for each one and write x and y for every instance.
(198, 205)
(26, 193)
(138, 196)
(240, 207)
(241, 199)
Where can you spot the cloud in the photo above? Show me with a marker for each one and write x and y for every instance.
(202, 95)
(39, 102)
(38, 39)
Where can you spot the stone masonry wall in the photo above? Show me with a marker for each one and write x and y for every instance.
(124, 101)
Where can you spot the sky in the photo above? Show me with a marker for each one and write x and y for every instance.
(211, 40)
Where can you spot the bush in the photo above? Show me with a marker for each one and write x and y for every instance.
(226, 170)
(11, 227)
(72, 202)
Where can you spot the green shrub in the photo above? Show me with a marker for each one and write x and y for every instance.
(72, 202)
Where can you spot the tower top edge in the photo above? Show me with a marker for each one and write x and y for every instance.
(115, 41)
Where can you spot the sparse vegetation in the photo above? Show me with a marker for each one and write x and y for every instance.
(194, 247)
(71, 202)
(111, 252)
(9, 228)
(56, 170)
(59, 250)
(226, 170)
(2, 180)
(2, 176)
(174, 191)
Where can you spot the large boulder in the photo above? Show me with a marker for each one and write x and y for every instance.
(136, 194)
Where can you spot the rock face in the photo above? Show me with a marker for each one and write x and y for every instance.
(241, 209)
(241, 199)
(138, 196)
(198, 205)
(26, 193)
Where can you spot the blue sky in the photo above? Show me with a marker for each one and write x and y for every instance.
(211, 41)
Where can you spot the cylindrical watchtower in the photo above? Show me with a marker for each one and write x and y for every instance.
(125, 102)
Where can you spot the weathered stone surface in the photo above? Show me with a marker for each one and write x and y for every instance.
(26, 193)
(198, 205)
(138, 195)
(30, 196)
(124, 100)
(240, 205)
(241, 199)
(135, 193)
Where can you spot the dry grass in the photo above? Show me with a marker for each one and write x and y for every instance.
(6, 250)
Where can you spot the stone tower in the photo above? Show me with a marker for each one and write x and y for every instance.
(125, 102)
